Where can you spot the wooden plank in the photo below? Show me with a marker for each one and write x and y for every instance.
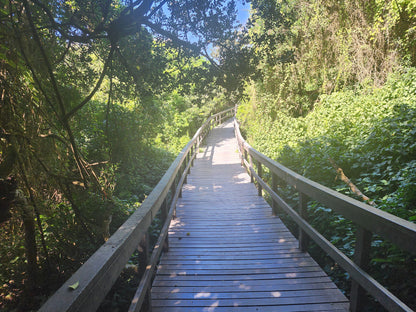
(178, 272)
(239, 283)
(213, 244)
(322, 307)
(190, 237)
(232, 257)
(208, 262)
(246, 295)
(276, 302)
(228, 249)
(235, 231)
(234, 288)
(273, 276)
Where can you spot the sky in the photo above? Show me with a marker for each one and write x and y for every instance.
(243, 12)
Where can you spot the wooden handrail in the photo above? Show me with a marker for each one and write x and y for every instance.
(96, 277)
(369, 220)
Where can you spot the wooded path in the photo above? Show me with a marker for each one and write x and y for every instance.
(227, 252)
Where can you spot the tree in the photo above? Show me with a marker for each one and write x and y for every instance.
(56, 57)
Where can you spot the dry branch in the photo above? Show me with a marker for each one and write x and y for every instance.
(341, 175)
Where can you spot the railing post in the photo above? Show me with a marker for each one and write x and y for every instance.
(193, 150)
(251, 165)
(185, 163)
(241, 151)
(303, 212)
(164, 216)
(173, 191)
(362, 259)
(143, 256)
(274, 188)
(242, 156)
(189, 160)
(177, 185)
(260, 174)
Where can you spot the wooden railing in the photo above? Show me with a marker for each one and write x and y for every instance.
(95, 278)
(369, 220)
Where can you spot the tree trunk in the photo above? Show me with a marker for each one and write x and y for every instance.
(29, 228)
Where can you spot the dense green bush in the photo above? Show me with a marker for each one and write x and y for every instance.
(369, 133)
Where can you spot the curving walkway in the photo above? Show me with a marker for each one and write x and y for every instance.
(228, 252)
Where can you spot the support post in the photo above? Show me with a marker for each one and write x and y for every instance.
(242, 156)
(274, 188)
(172, 191)
(193, 150)
(177, 178)
(260, 174)
(185, 163)
(241, 151)
(143, 249)
(303, 212)
(251, 166)
(362, 259)
(164, 216)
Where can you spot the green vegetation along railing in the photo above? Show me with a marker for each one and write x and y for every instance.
(94, 279)
(367, 218)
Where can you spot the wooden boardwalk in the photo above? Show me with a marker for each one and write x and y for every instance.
(228, 253)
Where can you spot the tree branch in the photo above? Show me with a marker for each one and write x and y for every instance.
(28, 64)
(126, 65)
(156, 9)
(97, 86)
(194, 48)
(346, 180)
(45, 57)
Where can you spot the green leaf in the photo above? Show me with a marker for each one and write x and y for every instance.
(74, 286)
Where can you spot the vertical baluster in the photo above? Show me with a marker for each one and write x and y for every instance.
(193, 150)
(143, 256)
(177, 185)
(303, 212)
(185, 163)
(260, 174)
(241, 151)
(274, 188)
(173, 191)
(164, 216)
(362, 259)
(248, 157)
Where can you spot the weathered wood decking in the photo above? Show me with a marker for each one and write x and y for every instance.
(228, 253)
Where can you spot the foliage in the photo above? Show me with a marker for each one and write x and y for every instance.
(334, 84)
(307, 48)
(370, 134)
(95, 97)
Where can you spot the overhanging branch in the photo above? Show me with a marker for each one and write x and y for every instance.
(194, 48)
(97, 86)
